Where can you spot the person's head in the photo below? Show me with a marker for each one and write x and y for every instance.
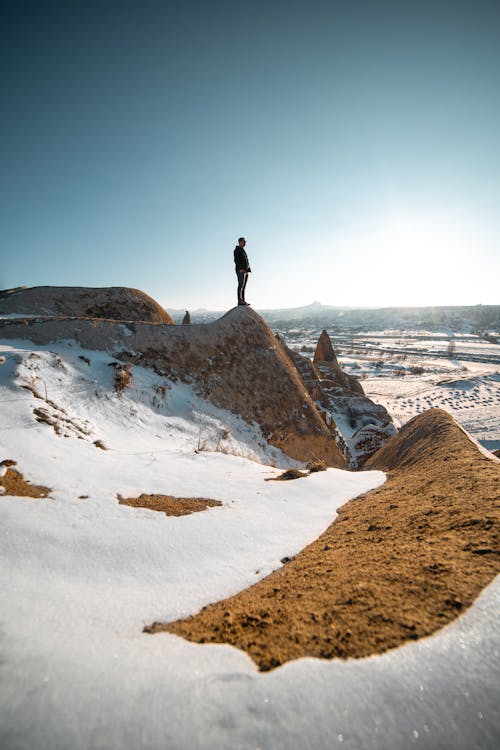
(242, 242)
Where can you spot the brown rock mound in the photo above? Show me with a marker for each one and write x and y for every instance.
(426, 440)
(398, 563)
(112, 303)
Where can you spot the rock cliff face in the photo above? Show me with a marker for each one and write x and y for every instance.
(361, 426)
(235, 362)
(113, 303)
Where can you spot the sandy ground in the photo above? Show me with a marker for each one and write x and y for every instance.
(397, 564)
(13, 483)
(171, 506)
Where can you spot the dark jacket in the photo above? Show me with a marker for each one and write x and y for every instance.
(241, 260)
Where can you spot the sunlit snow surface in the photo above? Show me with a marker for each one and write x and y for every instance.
(79, 578)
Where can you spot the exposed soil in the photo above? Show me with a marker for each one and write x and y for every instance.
(397, 564)
(171, 506)
(287, 475)
(14, 483)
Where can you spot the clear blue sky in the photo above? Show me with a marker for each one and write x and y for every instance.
(356, 145)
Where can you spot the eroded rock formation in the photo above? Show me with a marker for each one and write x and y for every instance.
(112, 303)
(361, 426)
(235, 362)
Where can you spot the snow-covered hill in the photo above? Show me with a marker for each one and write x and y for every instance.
(80, 575)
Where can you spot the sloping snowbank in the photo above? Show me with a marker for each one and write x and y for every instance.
(81, 576)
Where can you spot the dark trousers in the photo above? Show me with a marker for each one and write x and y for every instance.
(242, 282)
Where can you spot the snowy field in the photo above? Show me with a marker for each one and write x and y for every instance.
(80, 576)
(411, 371)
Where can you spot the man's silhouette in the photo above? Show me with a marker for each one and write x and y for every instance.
(242, 267)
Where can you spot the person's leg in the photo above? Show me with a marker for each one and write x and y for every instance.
(244, 286)
(242, 280)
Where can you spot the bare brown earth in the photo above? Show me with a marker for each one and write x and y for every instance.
(171, 506)
(399, 562)
(14, 483)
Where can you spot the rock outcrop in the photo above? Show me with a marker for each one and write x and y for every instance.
(361, 426)
(327, 364)
(235, 362)
(112, 303)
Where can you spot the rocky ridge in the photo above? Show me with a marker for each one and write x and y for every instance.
(311, 410)
(236, 363)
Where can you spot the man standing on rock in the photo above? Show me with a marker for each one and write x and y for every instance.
(242, 267)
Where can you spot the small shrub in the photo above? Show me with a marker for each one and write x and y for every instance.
(417, 370)
(222, 437)
(59, 363)
(316, 465)
(160, 395)
(123, 376)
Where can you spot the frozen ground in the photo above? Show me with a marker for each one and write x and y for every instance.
(80, 575)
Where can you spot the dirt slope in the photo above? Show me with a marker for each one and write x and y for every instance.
(397, 564)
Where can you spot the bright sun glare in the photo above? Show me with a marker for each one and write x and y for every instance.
(404, 259)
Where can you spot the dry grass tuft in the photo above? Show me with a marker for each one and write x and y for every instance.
(123, 376)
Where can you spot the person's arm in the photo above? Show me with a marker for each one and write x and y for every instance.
(244, 259)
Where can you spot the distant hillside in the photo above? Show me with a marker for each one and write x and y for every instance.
(467, 319)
